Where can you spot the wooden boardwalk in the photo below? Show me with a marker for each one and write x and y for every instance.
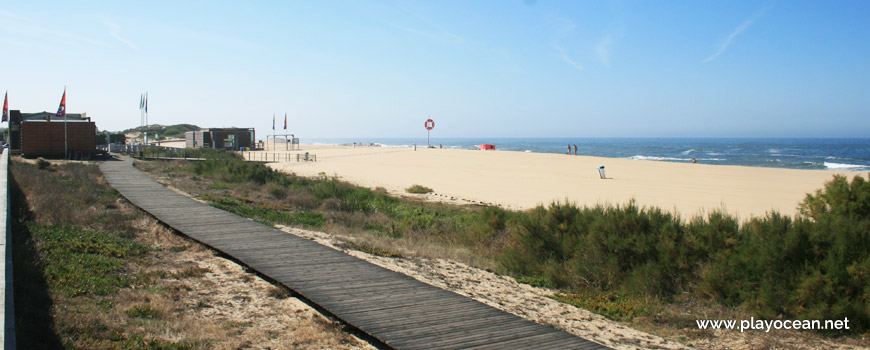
(396, 309)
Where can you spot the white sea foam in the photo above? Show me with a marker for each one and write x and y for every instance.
(396, 146)
(639, 157)
(685, 153)
(842, 166)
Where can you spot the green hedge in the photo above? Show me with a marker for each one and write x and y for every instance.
(815, 266)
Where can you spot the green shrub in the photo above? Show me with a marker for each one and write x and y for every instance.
(816, 266)
(143, 311)
(374, 250)
(610, 304)
(644, 251)
(42, 164)
(418, 189)
(482, 227)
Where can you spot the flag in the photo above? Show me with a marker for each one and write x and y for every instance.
(141, 101)
(6, 107)
(146, 102)
(61, 110)
(273, 121)
(285, 121)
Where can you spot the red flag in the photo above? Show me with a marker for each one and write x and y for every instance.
(61, 110)
(6, 107)
(285, 121)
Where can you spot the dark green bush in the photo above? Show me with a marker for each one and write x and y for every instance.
(814, 266)
(608, 248)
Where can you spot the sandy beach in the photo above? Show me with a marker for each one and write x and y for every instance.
(522, 180)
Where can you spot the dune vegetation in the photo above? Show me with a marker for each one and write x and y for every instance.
(619, 261)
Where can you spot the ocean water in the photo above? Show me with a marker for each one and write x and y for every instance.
(826, 154)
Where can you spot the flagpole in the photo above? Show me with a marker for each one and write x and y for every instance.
(146, 118)
(65, 140)
(142, 116)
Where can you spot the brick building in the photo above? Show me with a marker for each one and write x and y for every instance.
(43, 135)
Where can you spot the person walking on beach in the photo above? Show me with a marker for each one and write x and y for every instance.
(575, 149)
(569, 149)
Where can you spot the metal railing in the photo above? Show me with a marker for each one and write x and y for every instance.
(278, 157)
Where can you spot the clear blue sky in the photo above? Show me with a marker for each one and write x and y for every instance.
(479, 68)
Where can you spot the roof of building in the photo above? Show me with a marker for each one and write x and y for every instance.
(226, 129)
(45, 115)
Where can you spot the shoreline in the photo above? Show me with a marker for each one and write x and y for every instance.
(788, 153)
(522, 180)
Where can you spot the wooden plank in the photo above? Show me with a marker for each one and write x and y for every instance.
(542, 341)
(376, 292)
(366, 285)
(406, 301)
(468, 337)
(482, 325)
(412, 317)
(354, 304)
(536, 341)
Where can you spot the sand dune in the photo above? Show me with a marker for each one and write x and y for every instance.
(520, 180)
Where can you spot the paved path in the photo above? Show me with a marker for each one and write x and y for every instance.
(396, 309)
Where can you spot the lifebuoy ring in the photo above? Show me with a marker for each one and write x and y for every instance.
(430, 124)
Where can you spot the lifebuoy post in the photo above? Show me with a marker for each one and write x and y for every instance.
(429, 124)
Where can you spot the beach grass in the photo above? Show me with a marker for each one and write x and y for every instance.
(74, 251)
(611, 259)
(91, 271)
